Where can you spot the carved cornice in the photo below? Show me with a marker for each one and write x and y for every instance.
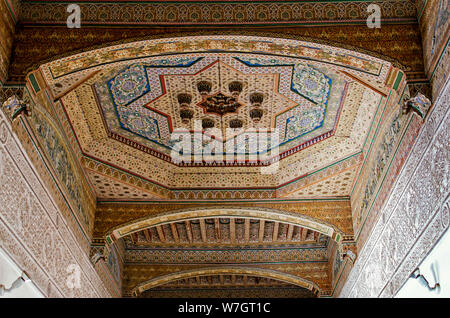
(221, 13)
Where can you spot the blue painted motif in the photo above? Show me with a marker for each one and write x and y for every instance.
(129, 85)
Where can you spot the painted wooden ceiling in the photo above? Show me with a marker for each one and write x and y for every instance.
(122, 105)
(228, 286)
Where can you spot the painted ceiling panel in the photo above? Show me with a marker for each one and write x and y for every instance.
(317, 103)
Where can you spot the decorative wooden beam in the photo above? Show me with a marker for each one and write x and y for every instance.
(290, 232)
(198, 280)
(232, 231)
(303, 234)
(275, 231)
(217, 229)
(173, 227)
(188, 230)
(134, 238)
(148, 235)
(233, 279)
(365, 83)
(261, 231)
(247, 230)
(203, 230)
(160, 231)
(222, 280)
(245, 280)
(298, 233)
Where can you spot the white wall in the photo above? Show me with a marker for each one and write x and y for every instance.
(9, 272)
(439, 255)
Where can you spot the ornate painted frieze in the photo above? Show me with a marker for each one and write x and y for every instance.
(62, 162)
(226, 12)
(37, 44)
(382, 158)
(435, 29)
(229, 256)
(258, 292)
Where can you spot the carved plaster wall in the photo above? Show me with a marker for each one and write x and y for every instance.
(49, 252)
(414, 216)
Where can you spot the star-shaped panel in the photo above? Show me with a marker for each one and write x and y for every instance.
(297, 101)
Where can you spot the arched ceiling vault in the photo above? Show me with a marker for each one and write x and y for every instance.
(264, 243)
(221, 231)
(228, 286)
(302, 224)
(230, 270)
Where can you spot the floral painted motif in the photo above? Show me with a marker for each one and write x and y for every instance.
(307, 81)
(311, 83)
(129, 85)
(59, 157)
(303, 122)
(297, 49)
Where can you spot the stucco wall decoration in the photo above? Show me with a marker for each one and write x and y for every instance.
(57, 151)
(32, 230)
(417, 208)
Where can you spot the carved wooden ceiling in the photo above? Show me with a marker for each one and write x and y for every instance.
(120, 105)
(164, 244)
(228, 286)
(342, 22)
(319, 106)
(221, 231)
